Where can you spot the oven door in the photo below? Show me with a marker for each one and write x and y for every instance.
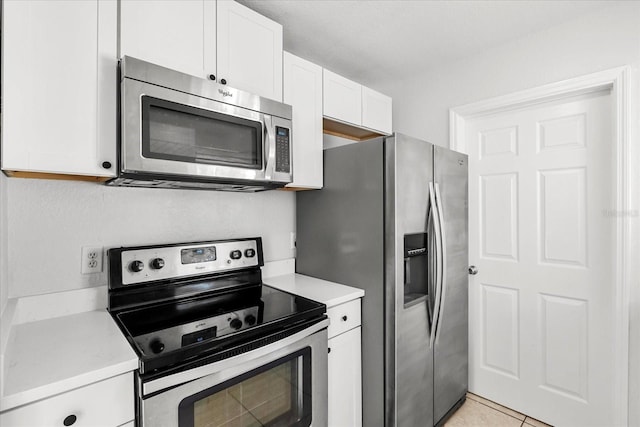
(280, 384)
(168, 132)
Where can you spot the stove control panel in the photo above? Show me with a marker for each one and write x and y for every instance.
(158, 342)
(148, 264)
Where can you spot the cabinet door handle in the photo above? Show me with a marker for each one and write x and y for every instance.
(70, 420)
(344, 318)
(223, 81)
(212, 77)
(328, 349)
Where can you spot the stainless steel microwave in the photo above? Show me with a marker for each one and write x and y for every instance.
(180, 131)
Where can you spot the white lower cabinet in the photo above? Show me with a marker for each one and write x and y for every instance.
(107, 403)
(345, 365)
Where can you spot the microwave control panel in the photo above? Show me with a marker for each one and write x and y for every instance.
(283, 152)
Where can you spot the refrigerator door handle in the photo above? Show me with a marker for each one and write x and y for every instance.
(443, 262)
(431, 266)
(438, 235)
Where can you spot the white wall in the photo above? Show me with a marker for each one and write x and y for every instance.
(49, 221)
(591, 43)
(4, 290)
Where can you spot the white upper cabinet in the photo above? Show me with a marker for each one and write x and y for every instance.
(376, 110)
(59, 80)
(221, 40)
(349, 102)
(342, 98)
(249, 50)
(303, 91)
(175, 34)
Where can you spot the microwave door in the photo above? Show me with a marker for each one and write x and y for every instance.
(166, 132)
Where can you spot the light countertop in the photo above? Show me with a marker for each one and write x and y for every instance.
(52, 356)
(328, 293)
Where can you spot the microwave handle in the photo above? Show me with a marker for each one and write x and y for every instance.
(269, 147)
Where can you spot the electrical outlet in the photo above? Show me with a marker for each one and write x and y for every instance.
(91, 259)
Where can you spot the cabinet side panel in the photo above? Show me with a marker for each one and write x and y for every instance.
(340, 233)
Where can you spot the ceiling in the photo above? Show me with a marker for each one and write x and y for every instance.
(373, 40)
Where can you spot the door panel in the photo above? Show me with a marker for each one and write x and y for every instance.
(249, 50)
(451, 343)
(541, 309)
(500, 331)
(499, 211)
(409, 170)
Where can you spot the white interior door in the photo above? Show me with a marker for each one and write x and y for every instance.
(541, 306)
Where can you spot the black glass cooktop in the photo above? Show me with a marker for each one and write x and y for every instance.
(176, 332)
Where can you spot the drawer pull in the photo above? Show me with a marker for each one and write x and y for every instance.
(70, 420)
(344, 318)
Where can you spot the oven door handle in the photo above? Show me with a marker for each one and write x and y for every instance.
(202, 371)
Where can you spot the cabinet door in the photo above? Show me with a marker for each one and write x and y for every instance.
(177, 34)
(303, 91)
(342, 98)
(345, 379)
(249, 50)
(106, 403)
(59, 87)
(376, 111)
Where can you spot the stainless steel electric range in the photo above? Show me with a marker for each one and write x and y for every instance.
(216, 346)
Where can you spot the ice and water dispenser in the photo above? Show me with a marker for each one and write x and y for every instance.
(416, 268)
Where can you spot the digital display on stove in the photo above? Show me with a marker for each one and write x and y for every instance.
(199, 336)
(196, 255)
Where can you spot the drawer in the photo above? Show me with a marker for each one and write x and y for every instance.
(105, 403)
(343, 317)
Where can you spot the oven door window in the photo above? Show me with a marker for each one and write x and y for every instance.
(276, 394)
(183, 133)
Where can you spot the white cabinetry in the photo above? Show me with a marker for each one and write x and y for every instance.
(376, 110)
(345, 365)
(303, 91)
(342, 98)
(175, 34)
(222, 40)
(349, 102)
(108, 403)
(249, 50)
(58, 82)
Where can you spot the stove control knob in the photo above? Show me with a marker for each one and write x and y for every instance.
(136, 266)
(157, 263)
(236, 324)
(250, 320)
(250, 253)
(235, 254)
(156, 346)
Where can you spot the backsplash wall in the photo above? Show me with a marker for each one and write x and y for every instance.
(4, 287)
(49, 221)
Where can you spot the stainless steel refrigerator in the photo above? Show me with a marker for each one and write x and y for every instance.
(392, 220)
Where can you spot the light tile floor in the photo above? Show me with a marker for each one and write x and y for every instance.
(477, 411)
